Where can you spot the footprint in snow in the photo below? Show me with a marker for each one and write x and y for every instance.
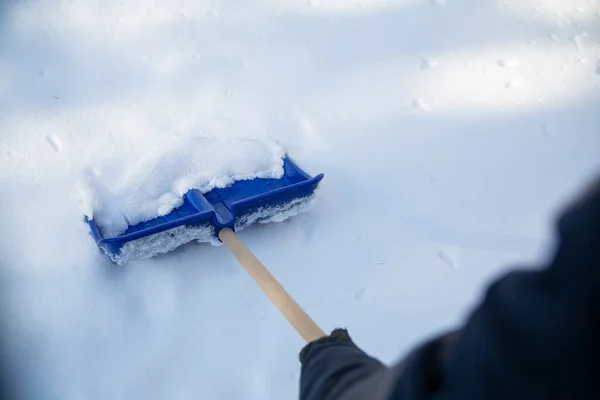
(509, 63)
(545, 130)
(54, 142)
(576, 39)
(446, 259)
(421, 105)
(428, 64)
(358, 295)
(513, 83)
(8, 151)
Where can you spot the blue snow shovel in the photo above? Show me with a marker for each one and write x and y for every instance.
(218, 214)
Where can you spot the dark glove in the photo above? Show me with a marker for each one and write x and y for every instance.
(338, 336)
(332, 366)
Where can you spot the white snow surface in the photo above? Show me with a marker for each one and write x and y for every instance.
(440, 175)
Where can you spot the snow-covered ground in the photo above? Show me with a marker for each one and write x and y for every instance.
(450, 133)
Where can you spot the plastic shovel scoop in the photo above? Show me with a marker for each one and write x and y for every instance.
(216, 215)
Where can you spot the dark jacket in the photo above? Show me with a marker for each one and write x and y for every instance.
(536, 335)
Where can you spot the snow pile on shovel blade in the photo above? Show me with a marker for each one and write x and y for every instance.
(164, 242)
(154, 184)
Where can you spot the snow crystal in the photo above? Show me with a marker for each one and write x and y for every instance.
(163, 242)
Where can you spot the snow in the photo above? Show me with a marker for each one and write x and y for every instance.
(154, 184)
(54, 142)
(509, 63)
(438, 177)
(163, 242)
(169, 240)
(276, 213)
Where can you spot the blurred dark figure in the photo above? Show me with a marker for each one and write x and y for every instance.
(535, 336)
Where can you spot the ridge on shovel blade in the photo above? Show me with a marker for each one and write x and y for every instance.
(221, 208)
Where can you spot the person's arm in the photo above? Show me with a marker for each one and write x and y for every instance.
(334, 368)
(536, 335)
(334, 365)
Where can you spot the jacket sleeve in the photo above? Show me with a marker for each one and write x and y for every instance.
(333, 365)
(334, 368)
(535, 335)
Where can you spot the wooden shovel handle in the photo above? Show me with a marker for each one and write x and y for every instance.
(305, 326)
